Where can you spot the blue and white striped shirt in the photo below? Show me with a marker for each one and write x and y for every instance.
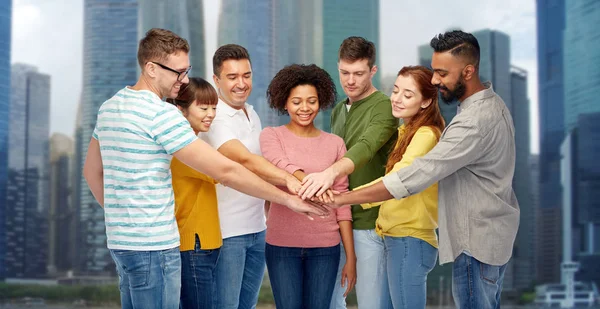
(138, 133)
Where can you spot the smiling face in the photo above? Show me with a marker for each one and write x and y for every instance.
(448, 76)
(234, 82)
(303, 105)
(407, 99)
(167, 81)
(200, 115)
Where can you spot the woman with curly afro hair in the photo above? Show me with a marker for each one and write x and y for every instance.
(303, 255)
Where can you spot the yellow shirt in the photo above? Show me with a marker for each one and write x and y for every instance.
(195, 207)
(414, 216)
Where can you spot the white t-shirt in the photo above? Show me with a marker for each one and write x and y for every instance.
(240, 214)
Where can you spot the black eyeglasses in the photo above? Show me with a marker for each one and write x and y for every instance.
(180, 75)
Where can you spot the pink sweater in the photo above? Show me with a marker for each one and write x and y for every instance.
(290, 152)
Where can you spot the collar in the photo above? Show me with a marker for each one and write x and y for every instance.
(230, 111)
(363, 100)
(481, 95)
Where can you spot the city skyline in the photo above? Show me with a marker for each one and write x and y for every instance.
(56, 93)
(393, 53)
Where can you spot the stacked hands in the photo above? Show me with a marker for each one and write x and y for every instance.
(314, 196)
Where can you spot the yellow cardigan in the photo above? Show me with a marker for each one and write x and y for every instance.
(417, 215)
(195, 207)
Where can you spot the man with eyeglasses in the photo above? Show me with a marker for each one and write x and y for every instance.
(127, 170)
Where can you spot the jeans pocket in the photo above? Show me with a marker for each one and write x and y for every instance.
(428, 255)
(135, 265)
(489, 273)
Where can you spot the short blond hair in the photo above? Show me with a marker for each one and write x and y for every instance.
(158, 44)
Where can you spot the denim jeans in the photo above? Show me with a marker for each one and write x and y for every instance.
(302, 278)
(198, 284)
(476, 285)
(240, 271)
(338, 301)
(149, 279)
(408, 260)
(370, 270)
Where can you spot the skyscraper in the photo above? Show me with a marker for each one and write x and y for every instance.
(278, 33)
(5, 37)
(185, 18)
(534, 177)
(582, 146)
(77, 239)
(581, 48)
(110, 62)
(28, 161)
(523, 255)
(550, 26)
(61, 214)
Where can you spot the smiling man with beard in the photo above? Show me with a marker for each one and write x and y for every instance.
(474, 163)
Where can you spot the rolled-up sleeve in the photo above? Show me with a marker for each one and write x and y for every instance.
(460, 145)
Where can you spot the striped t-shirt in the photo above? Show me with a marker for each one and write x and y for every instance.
(138, 133)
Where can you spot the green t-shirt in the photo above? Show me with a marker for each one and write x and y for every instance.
(370, 131)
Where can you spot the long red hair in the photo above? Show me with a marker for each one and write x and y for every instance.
(429, 116)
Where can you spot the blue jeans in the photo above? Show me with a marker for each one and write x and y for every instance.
(149, 279)
(476, 285)
(338, 301)
(302, 278)
(408, 260)
(198, 284)
(370, 270)
(240, 271)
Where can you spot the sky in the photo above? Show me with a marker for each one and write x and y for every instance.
(404, 25)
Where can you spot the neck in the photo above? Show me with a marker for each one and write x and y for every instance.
(362, 96)
(303, 131)
(406, 121)
(476, 87)
(228, 103)
(144, 84)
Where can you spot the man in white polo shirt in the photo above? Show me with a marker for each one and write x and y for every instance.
(235, 133)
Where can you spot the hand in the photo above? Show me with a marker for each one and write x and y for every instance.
(307, 207)
(325, 198)
(316, 184)
(293, 184)
(349, 275)
(331, 199)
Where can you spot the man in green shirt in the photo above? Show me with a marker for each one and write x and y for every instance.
(365, 121)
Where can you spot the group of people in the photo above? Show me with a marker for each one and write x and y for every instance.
(199, 198)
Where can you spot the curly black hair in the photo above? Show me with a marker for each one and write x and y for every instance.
(300, 74)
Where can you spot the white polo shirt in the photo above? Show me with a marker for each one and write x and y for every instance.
(240, 214)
